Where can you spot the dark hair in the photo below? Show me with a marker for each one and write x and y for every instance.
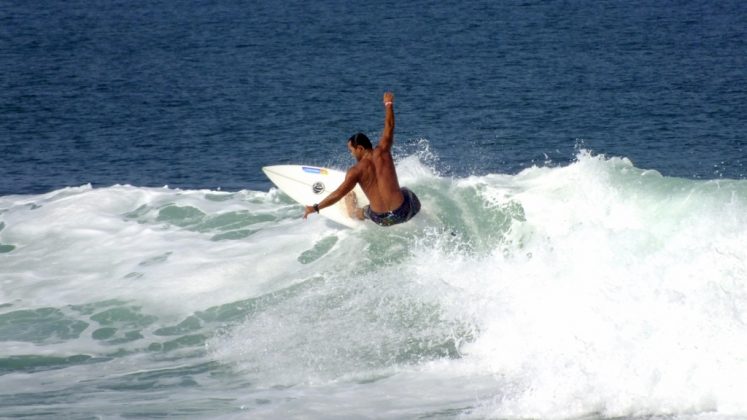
(360, 139)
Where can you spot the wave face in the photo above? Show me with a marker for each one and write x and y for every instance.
(594, 289)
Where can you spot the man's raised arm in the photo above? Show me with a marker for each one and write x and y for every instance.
(387, 137)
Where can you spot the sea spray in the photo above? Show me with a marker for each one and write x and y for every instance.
(593, 289)
(629, 302)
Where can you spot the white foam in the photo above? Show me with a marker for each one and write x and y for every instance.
(595, 288)
(81, 246)
(625, 306)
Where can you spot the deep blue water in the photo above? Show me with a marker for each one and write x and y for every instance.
(201, 94)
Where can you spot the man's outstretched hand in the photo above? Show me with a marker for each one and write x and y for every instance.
(307, 211)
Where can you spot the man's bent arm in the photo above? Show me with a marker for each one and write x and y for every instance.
(387, 136)
(351, 178)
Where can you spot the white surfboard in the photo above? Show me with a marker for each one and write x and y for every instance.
(311, 184)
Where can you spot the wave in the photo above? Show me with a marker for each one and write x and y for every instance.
(595, 287)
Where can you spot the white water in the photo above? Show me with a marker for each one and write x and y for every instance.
(596, 289)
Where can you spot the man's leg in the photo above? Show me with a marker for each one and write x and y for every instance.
(351, 203)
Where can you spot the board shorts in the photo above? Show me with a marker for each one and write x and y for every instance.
(409, 208)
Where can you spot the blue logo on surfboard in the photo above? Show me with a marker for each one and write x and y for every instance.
(314, 170)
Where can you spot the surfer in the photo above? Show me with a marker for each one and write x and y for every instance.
(375, 173)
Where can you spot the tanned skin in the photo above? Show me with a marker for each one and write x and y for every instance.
(374, 172)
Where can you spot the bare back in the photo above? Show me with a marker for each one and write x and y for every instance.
(378, 179)
(377, 175)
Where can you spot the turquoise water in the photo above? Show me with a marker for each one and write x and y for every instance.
(595, 289)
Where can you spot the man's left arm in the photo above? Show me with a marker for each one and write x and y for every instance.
(351, 178)
(387, 135)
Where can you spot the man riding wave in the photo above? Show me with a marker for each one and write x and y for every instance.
(374, 172)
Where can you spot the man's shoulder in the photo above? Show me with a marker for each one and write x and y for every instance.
(356, 169)
(363, 163)
(361, 167)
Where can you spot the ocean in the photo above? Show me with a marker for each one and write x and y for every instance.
(582, 168)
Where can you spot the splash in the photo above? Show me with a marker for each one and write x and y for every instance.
(593, 289)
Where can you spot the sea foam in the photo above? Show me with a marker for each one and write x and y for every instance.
(595, 288)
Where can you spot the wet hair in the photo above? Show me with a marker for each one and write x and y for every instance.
(360, 139)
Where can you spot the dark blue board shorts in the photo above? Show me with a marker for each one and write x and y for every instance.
(409, 208)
